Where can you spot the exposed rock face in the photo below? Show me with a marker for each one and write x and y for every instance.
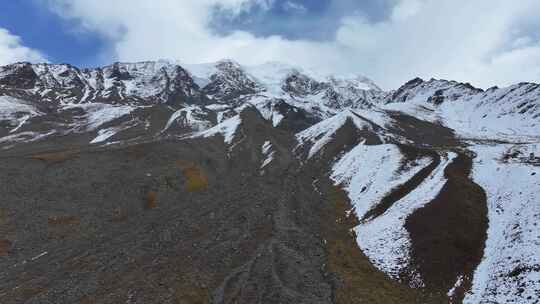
(298, 84)
(230, 82)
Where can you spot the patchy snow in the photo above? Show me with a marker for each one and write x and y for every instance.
(227, 129)
(98, 114)
(25, 137)
(384, 239)
(218, 107)
(191, 116)
(16, 111)
(270, 78)
(457, 285)
(510, 269)
(21, 122)
(272, 74)
(266, 107)
(39, 256)
(268, 153)
(368, 172)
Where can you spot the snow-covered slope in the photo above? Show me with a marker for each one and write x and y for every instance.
(511, 113)
(365, 170)
(510, 269)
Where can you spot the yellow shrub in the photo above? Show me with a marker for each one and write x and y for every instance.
(196, 180)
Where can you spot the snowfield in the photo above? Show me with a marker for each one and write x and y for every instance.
(510, 269)
(506, 114)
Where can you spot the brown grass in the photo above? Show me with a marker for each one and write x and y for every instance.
(30, 292)
(63, 221)
(151, 200)
(55, 157)
(191, 295)
(189, 292)
(63, 226)
(3, 216)
(196, 179)
(5, 246)
(136, 152)
(88, 300)
(448, 234)
(358, 280)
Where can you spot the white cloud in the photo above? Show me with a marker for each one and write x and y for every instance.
(12, 50)
(406, 9)
(484, 41)
(294, 7)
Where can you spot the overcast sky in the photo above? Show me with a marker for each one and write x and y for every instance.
(485, 42)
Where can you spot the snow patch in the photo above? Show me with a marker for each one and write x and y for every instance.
(227, 129)
(25, 137)
(103, 135)
(458, 284)
(268, 152)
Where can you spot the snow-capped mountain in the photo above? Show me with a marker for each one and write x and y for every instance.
(321, 188)
(71, 100)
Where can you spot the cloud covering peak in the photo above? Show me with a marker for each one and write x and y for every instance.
(12, 49)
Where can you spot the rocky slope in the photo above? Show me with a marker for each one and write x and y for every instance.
(159, 182)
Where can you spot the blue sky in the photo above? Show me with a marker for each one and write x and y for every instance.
(41, 29)
(484, 42)
(61, 42)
